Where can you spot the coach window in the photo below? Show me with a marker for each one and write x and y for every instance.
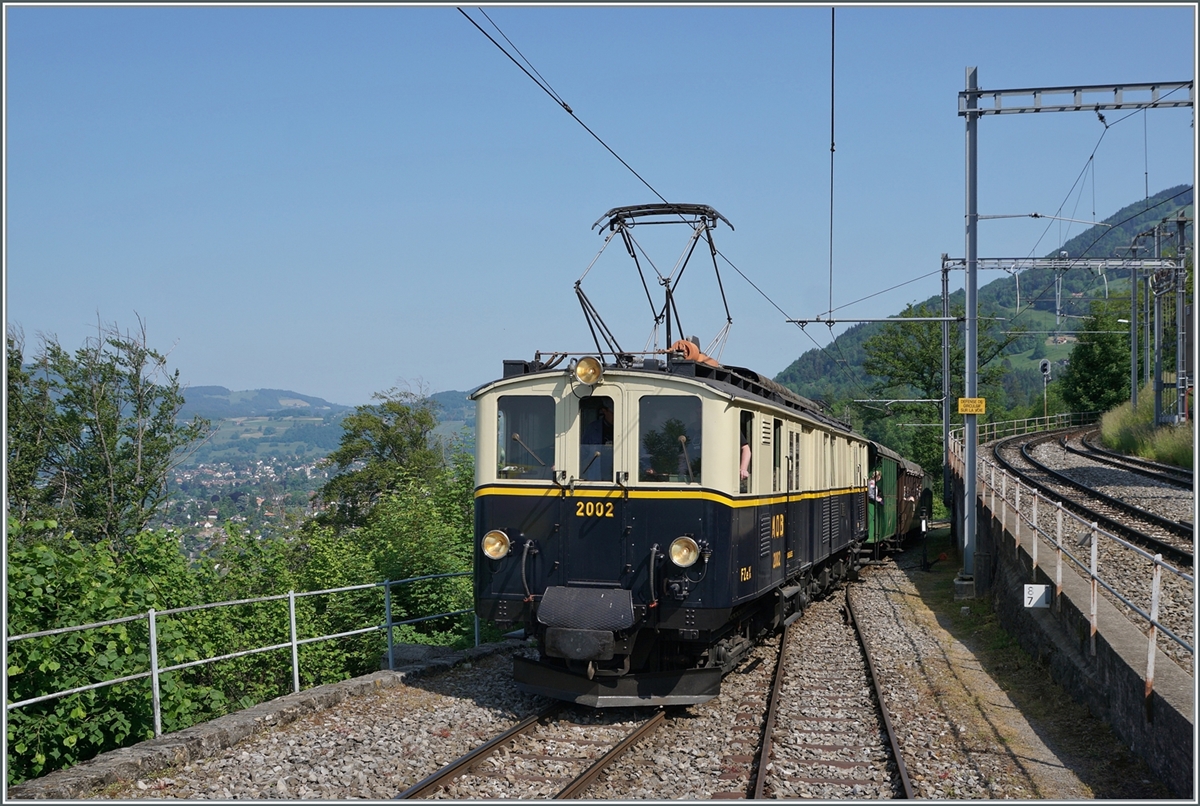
(525, 438)
(596, 438)
(669, 438)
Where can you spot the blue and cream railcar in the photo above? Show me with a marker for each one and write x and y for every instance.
(635, 553)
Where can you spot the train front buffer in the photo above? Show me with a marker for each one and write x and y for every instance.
(622, 604)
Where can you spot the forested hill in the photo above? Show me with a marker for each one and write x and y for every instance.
(835, 374)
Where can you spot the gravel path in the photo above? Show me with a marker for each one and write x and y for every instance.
(962, 734)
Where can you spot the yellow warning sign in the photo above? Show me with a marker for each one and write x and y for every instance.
(972, 405)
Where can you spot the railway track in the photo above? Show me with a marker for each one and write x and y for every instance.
(1121, 569)
(1172, 538)
(572, 747)
(1167, 474)
(827, 731)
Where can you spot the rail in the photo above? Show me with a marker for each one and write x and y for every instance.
(295, 642)
(1011, 500)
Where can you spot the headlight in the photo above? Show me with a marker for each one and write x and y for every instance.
(684, 552)
(495, 544)
(589, 371)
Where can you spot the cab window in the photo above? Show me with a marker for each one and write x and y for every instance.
(525, 437)
(669, 439)
(596, 438)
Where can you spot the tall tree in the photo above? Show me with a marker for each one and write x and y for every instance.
(383, 444)
(93, 435)
(907, 356)
(1097, 376)
(905, 359)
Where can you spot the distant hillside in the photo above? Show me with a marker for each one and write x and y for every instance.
(834, 373)
(268, 424)
(219, 403)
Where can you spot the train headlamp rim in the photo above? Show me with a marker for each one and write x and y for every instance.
(495, 544)
(588, 370)
(684, 551)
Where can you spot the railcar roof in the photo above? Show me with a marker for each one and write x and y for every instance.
(737, 382)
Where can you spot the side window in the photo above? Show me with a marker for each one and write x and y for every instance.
(525, 438)
(746, 451)
(596, 438)
(777, 455)
(793, 460)
(669, 438)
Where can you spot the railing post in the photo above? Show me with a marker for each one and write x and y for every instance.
(993, 486)
(155, 691)
(1155, 586)
(1058, 566)
(1003, 500)
(295, 645)
(387, 613)
(1095, 590)
(1017, 494)
(1037, 535)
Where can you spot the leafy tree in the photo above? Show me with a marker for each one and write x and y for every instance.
(1097, 376)
(382, 445)
(425, 527)
(93, 435)
(29, 408)
(905, 359)
(907, 356)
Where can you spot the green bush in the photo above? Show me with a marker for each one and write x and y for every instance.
(65, 584)
(420, 524)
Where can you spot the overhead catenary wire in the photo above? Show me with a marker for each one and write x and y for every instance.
(546, 88)
(562, 103)
(1089, 163)
(540, 79)
(544, 85)
(1048, 287)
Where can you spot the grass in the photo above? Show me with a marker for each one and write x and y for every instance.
(1132, 431)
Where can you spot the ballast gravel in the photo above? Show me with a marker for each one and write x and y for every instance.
(962, 737)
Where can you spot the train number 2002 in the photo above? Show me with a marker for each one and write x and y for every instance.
(593, 509)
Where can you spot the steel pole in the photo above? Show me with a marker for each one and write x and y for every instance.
(1146, 330)
(1158, 339)
(946, 486)
(1181, 367)
(1133, 367)
(971, 430)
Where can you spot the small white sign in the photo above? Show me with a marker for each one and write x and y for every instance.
(1037, 595)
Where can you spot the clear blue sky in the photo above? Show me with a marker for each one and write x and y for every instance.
(337, 200)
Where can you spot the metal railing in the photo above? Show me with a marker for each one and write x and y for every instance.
(295, 642)
(988, 485)
(1030, 425)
